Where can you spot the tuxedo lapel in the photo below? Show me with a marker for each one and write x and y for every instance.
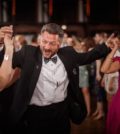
(64, 60)
(72, 72)
(68, 63)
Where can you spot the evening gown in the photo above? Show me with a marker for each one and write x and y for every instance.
(113, 115)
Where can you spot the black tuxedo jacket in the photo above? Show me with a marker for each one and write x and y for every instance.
(29, 59)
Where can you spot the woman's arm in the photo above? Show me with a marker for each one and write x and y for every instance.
(15, 75)
(6, 66)
(110, 66)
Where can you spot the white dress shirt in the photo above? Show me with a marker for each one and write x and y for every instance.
(52, 84)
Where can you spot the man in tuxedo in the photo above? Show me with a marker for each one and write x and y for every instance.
(48, 82)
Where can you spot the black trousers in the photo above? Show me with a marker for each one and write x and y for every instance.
(52, 119)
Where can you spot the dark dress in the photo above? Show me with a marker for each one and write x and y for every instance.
(113, 115)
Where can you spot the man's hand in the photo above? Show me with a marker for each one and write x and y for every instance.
(109, 41)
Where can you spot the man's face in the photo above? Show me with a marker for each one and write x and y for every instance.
(49, 44)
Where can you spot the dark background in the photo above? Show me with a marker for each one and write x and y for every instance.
(66, 11)
(104, 15)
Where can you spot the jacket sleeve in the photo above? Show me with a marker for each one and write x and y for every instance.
(18, 57)
(98, 52)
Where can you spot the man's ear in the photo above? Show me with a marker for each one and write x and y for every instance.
(39, 39)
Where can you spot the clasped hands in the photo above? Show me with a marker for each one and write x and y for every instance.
(6, 36)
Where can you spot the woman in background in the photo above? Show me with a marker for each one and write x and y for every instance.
(111, 65)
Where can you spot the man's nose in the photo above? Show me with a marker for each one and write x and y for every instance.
(47, 45)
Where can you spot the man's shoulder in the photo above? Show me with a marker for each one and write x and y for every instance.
(66, 48)
(29, 46)
(27, 49)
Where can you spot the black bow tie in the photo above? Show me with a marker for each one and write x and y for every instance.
(53, 59)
